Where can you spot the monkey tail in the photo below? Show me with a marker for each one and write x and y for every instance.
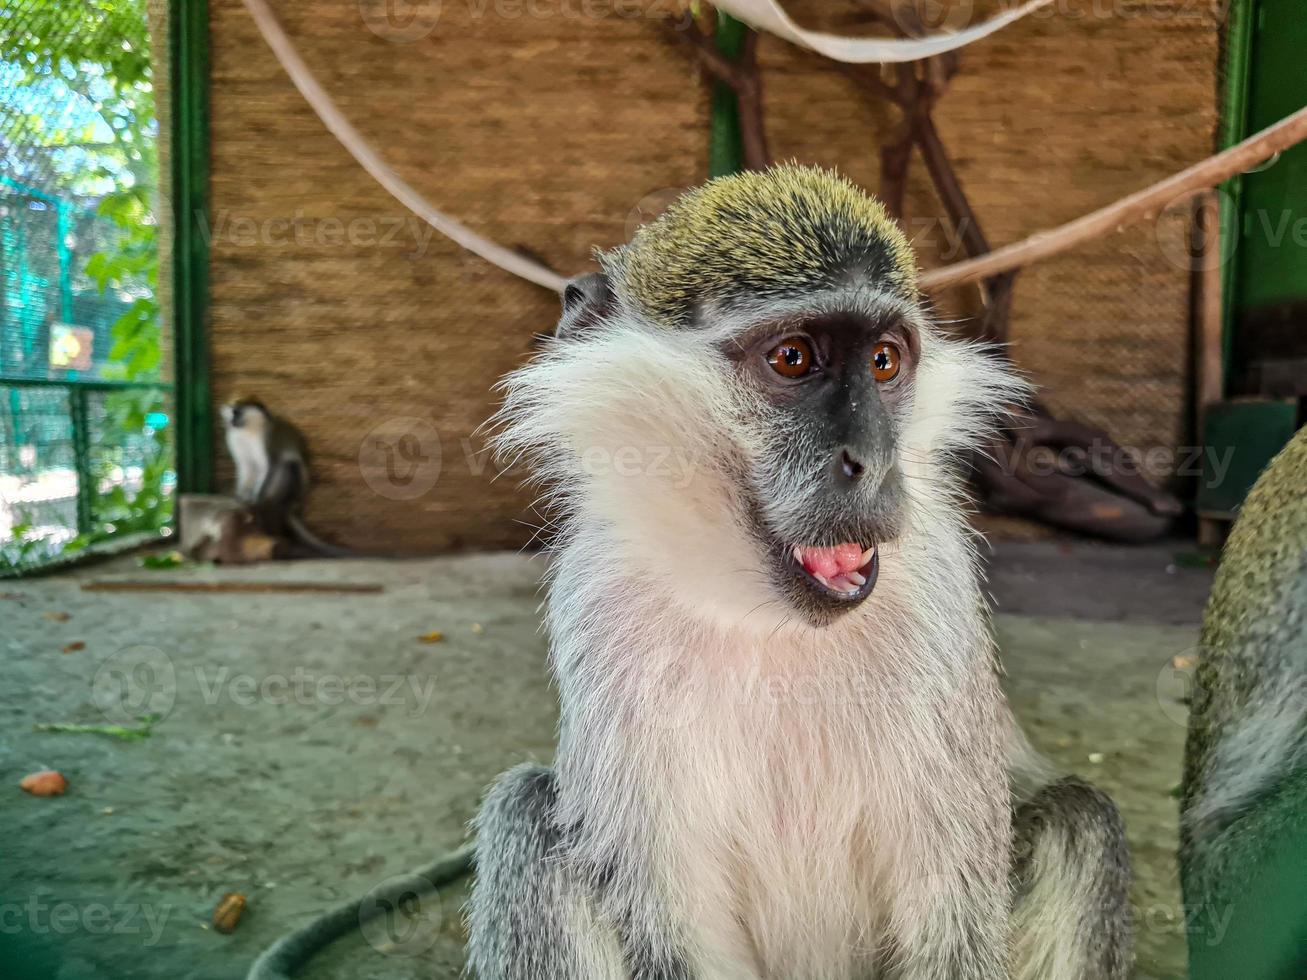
(280, 960)
(1071, 866)
(300, 531)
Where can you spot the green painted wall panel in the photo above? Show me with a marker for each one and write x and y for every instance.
(1271, 260)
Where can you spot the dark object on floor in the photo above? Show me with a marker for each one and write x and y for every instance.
(1071, 476)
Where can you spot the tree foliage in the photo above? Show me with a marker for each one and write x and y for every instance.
(77, 120)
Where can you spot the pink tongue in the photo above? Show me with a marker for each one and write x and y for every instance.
(830, 562)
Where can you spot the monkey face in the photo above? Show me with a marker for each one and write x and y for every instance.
(244, 413)
(749, 415)
(759, 470)
(830, 395)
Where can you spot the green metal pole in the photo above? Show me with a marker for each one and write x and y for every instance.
(725, 147)
(189, 30)
(64, 228)
(1236, 63)
(81, 456)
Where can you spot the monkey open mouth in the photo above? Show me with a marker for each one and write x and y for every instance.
(844, 573)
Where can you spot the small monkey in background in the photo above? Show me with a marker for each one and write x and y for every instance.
(783, 750)
(272, 473)
(1243, 816)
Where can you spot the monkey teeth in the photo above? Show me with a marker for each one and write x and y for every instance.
(848, 583)
(838, 568)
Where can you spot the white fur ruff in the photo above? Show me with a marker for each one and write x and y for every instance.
(789, 796)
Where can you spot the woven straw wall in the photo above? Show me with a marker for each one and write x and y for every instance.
(549, 125)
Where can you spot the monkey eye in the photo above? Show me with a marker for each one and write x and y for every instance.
(791, 358)
(885, 362)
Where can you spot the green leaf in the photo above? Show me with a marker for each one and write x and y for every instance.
(145, 730)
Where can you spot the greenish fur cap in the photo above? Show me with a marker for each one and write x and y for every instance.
(761, 234)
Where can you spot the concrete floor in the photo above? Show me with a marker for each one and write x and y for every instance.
(312, 745)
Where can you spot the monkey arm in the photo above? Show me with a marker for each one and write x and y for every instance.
(531, 916)
(1071, 872)
(1071, 867)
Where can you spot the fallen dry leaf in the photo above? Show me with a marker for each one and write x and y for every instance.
(435, 636)
(57, 617)
(75, 646)
(45, 783)
(228, 913)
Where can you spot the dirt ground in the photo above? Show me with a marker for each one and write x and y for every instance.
(312, 745)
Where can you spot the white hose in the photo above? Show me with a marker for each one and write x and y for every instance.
(767, 15)
(371, 161)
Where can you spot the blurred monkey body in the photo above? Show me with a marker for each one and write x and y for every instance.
(1244, 810)
(270, 454)
(272, 476)
(783, 750)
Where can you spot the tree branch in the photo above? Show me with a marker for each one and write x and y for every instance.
(717, 64)
(948, 187)
(745, 81)
(748, 93)
(1141, 205)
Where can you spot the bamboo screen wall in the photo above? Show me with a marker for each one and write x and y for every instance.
(553, 125)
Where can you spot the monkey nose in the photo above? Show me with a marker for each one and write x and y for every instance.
(850, 466)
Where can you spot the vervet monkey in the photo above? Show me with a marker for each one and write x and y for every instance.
(272, 472)
(1244, 811)
(783, 752)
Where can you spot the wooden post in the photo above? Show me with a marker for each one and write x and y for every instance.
(1207, 327)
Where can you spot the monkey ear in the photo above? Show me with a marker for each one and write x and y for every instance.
(586, 301)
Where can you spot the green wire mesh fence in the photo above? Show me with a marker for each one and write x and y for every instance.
(85, 435)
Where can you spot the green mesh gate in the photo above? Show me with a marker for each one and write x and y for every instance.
(85, 434)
